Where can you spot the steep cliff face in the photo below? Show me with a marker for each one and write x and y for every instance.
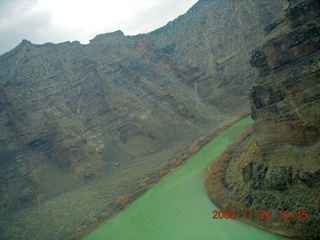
(214, 37)
(277, 166)
(82, 125)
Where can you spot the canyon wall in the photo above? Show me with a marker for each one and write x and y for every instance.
(83, 125)
(276, 167)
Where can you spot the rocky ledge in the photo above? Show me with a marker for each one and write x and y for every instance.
(83, 126)
(275, 169)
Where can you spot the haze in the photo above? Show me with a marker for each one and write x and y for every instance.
(41, 21)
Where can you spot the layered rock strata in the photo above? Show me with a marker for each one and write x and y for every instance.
(82, 125)
(276, 167)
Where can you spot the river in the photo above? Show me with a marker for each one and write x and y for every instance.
(178, 208)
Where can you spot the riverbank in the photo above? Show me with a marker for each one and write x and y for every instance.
(123, 202)
(232, 195)
(178, 206)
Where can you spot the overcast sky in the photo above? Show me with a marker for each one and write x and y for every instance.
(41, 21)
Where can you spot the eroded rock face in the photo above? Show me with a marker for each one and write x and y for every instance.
(288, 89)
(277, 166)
(115, 111)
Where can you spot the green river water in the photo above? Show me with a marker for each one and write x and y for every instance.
(178, 207)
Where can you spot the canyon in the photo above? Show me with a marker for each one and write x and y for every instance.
(276, 166)
(86, 128)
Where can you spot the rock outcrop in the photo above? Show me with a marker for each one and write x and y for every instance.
(276, 168)
(83, 125)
